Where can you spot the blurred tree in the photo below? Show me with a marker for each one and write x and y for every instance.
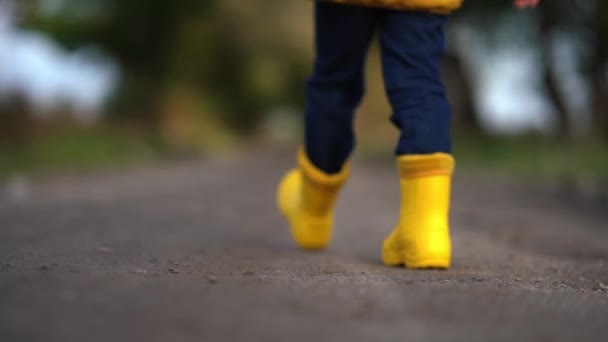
(139, 35)
(578, 16)
(219, 48)
(242, 65)
(550, 12)
(458, 79)
(461, 94)
(555, 16)
(17, 124)
(598, 69)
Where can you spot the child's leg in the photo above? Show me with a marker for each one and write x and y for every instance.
(413, 45)
(335, 88)
(412, 49)
(307, 194)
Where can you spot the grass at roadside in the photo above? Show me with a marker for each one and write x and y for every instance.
(534, 157)
(524, 157)
(75, 149)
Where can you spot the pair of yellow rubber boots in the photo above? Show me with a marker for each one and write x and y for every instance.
(421, 239)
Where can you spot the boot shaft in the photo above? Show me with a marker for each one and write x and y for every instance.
(319, 189)
(425, 182)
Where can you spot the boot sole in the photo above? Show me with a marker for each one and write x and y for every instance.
(396, 258)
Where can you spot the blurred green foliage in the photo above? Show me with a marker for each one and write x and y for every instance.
(162, 44)
(202, 74)
(77, 148)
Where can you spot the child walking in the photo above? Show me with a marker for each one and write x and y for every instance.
(412, 42)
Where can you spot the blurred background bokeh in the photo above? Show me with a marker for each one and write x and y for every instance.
(90, 83)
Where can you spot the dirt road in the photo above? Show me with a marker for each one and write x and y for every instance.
(195, 251)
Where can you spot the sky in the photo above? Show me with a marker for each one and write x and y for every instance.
(48, 75)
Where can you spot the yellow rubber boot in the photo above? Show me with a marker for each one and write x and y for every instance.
(306, 198)
(422, 236)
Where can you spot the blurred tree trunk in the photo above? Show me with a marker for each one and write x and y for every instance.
(549, 18)
(598, 73)
(600, 100)
(17, 124)
(461, 95)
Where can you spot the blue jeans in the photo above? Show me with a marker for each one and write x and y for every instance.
(412, 46)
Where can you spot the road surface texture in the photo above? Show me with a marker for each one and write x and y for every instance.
(195, 251)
